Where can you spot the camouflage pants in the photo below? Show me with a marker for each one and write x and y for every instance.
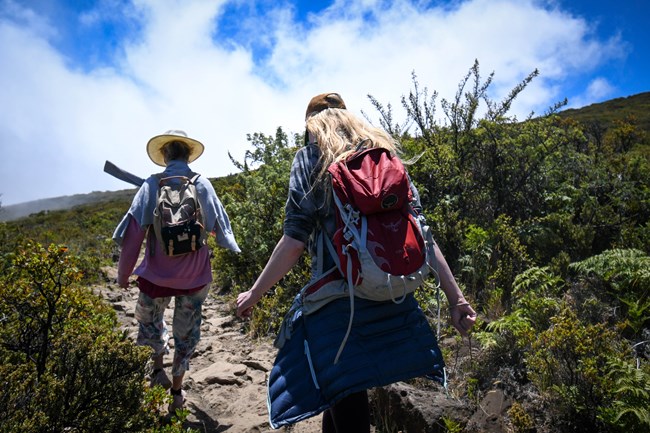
(186, 326)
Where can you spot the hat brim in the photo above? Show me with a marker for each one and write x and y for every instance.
(155, 145)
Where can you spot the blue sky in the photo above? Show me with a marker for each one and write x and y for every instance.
(86, 81)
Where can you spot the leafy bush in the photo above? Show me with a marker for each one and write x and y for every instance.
(520, 419)
(255, 205)
(623, 275)
(85, 230)
(560, 338)
(629, 410)
(64, 364)
(570, 361)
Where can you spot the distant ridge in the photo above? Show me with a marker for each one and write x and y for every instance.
(20, 210)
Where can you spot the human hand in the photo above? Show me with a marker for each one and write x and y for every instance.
(123, 282)
(463, 317)
(245, 303)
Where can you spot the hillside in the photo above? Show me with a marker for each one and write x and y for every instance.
(603, 114)
(20, 210)
(545, 225)
(606, 113)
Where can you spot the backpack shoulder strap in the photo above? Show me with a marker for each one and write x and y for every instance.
(150, 234)
(192, 181)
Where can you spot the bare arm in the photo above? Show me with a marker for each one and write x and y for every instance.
(463, 315)
(285, 255)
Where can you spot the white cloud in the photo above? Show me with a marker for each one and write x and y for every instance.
(599, 89)
(58, 125)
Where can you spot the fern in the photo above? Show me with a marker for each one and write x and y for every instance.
(516, 323)
(625, 274)
(638, 313)
(623, 270)
(539, 280)
(629, 411)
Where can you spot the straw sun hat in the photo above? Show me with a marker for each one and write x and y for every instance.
(155, 145)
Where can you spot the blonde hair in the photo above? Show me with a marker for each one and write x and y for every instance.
(338, 133)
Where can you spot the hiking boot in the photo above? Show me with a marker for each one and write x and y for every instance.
(159, 377)
(178, 401)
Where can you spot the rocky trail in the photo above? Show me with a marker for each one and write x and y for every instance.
(226, 383)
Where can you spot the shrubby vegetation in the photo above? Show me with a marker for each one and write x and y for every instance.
(546, 223)
(544, 220)
(65, 365)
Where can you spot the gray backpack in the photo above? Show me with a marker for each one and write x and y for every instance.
(177, 221)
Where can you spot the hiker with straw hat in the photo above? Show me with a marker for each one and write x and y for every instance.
(160, 277)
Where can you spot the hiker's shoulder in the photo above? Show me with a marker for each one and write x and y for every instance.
(199, 179)
(306, 158)
(151, 182)
(204, 185)
(308, 152)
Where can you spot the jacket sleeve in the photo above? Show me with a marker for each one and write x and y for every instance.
(215, 217)
(141, 209)
(131, 244)
(306, 204)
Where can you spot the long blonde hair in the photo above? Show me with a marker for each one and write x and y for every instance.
(338, 132)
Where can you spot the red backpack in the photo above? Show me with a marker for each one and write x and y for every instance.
(381, 246)
(379, 242)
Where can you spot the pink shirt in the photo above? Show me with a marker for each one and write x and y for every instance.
(184, 272)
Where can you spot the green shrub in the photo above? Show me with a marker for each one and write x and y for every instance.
(570, 362)
(64, 365)
(629, 409)
(86, 230)
(621, 277)
(520, 419)
(255, 204)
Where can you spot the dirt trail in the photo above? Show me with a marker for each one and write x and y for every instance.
(226, 384)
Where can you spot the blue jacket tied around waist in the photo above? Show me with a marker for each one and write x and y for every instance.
(388, 343)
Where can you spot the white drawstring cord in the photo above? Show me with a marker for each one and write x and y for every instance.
(351, 290)
(311, 365)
